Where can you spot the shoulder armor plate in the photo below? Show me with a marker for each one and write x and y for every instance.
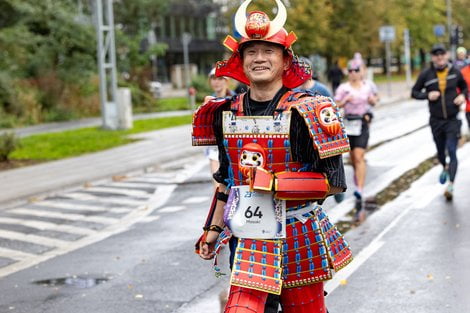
(325, 124)
(203, 120)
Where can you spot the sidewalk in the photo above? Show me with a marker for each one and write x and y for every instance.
(398, 91)
(158, 147)
(86, 122)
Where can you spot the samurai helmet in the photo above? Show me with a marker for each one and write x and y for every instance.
(256, 26)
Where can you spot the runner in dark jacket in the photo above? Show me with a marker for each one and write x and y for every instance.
(445, 89)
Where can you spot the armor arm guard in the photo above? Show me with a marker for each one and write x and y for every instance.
(203, 120)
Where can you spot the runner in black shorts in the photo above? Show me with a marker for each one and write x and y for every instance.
(362, 140)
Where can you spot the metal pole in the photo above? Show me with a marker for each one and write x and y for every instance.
(106, 55)
(450, 28)
(152, 38)
(186, 39)
(387, 57)
(406, 40)
(101, 55)
(112, 50)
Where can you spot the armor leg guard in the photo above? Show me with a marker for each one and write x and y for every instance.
(305, 299)
(244, 300)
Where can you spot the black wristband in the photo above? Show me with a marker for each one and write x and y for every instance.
(222, 196)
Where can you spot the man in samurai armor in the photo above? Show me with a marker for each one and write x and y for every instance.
(280, 157)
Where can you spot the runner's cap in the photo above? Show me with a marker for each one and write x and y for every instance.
(438, 48)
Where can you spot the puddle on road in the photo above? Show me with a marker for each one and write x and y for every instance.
(74, 281)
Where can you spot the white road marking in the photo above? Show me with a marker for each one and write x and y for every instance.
(65, 216)
(81, 207)
(15, 254)
(89, 197)
(47, 226)
(420, 201)
(40, 240)
(140, 213)
(171, 209)
(155, 201)
(127, 184)
(149, 219)
(151, 176)
(411, 199)
(124, 192)
(193, 200)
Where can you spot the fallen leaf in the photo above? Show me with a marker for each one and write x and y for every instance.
(430, 277)
(343, 282)
(119, 177)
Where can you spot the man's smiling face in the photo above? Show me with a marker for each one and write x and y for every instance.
(264, 62)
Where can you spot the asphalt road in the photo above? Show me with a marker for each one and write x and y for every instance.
(127, 245)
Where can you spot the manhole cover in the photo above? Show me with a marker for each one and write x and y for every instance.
(74, 281)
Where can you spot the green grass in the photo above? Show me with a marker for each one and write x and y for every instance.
(382, 78)
(172, 104)
(54, 146)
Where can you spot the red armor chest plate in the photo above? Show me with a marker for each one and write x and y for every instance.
(270, 133)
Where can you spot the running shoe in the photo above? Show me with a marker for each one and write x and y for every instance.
(357, 194)
(449, 193)
(443, 177)
(360, 214)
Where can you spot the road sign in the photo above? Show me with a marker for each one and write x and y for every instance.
(439, 30)
(387, 33)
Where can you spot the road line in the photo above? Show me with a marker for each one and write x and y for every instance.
(65, 216)
(39, 240)
(47, 226)
(193, 200)
(149, 219)
(171, 209)
(80, 207)
(79, 195)
(127, 184)
(15, 254)
(120, 191)
(367, 252)
(157, 200)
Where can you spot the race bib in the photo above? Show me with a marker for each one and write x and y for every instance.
(353, 127)
(255, 215)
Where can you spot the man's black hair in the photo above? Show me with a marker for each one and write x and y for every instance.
(244, 45)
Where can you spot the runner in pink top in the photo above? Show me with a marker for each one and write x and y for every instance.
(357, 96)
(356, 100)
